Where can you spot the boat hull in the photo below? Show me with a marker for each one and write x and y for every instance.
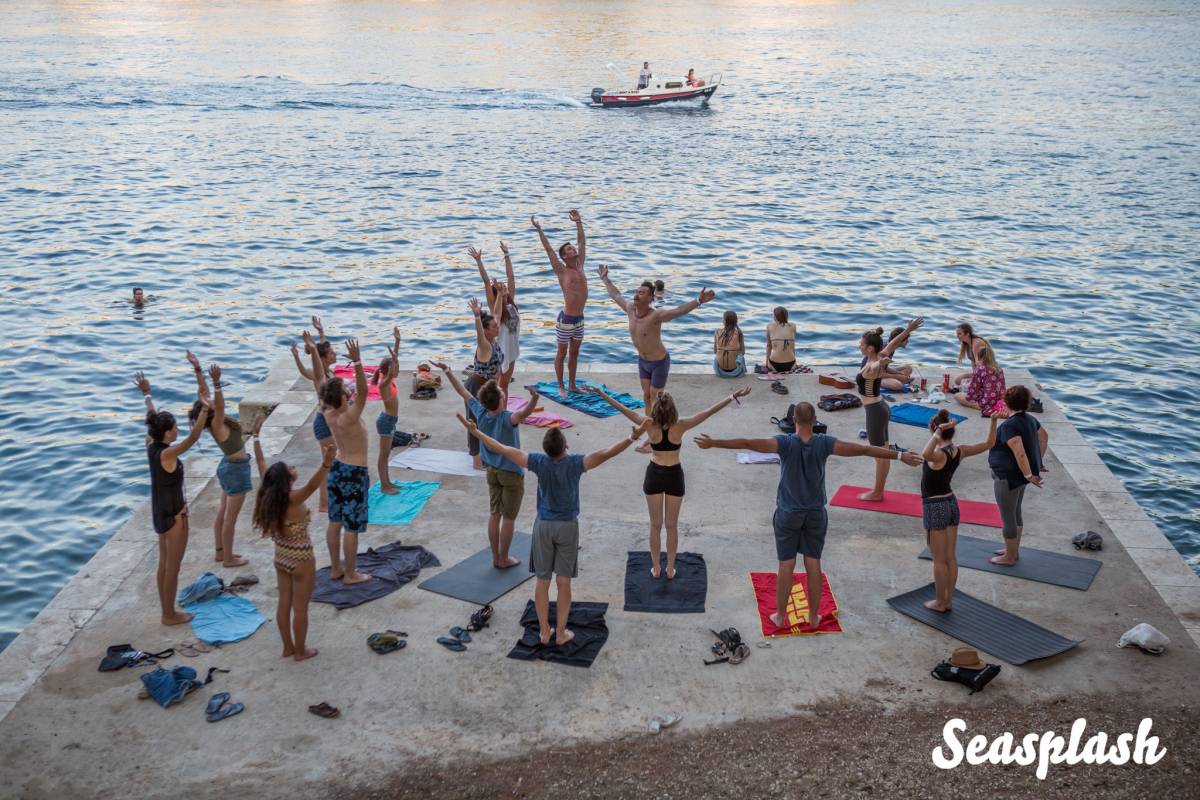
(638, 100)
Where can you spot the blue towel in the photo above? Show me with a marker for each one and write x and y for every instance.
(225, 618)
(919, 415)
(399, 509)
(905, 389)
(590, 404)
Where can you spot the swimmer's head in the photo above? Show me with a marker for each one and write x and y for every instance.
(659, 286)
(941, 418)
(161, 427)
(871, 342)
(490, 395)
(554, 443)
(138, 296)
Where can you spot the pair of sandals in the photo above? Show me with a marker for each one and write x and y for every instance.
(324, 710)
(220, 708)
(778, 388)
(457, 640)
(194, 649)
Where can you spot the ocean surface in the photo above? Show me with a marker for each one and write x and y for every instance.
(1031, 167)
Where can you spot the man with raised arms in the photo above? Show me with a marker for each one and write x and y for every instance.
(567, 264)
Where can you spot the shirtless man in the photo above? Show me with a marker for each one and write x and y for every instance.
(645, 329)
(567, 264)
(349, 479)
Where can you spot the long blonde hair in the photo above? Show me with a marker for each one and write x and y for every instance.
(987, 359)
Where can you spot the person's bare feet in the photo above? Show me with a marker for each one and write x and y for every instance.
(178, 618)
(237, 561)
(355, 577)
(670, 573)
(389, 489)
(546, 636)
(573, 389)
(870, 497)
(1003, 561)
(562, 390)
(337, 577)
(507, 563)
(778, 621)
(288, 652)
(308, 653)
(561, 640)
(814, 620)
(655, 572)
(999, 552)
(934, 605)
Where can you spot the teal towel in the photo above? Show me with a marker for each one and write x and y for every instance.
(590, 404)
(914, 414)
(399, 509)
(226, 618)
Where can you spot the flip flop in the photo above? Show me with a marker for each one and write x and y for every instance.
(460, 634)
(325, 710)
(226, 711)
(779, 388)
(215, 702)
(451, 644)
(188, 649)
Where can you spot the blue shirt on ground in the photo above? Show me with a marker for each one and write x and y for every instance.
(802, 471)
(558, 485)
(1001, 458)
(501, 428)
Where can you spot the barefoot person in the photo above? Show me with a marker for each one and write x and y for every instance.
(280, 512)
(568, 264)
(1016, 462)
(663, 484)
(985, 391)
(555, 547)
(645, 329)
(506, 480)
(327, 359)
(349, 479)
(233, 473)
(168, 505)
(939, 506)
(800, 518)
(730, 348)
(869, 379)
(385, 423)
(489, 357)
(968, 347)
(503, 296)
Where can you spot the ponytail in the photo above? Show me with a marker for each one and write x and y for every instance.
(941, 418)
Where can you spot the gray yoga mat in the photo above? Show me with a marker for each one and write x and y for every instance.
(1034, 565)
(985, 627)
(477, 581)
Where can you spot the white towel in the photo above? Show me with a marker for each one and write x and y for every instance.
(757, 458)
(429, 459)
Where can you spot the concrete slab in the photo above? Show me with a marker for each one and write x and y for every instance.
(289, 415)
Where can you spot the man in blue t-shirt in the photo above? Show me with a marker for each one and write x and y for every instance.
(505, 480)
(800, 519)
(555, 547)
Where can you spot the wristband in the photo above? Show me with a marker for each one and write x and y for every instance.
(1029, 477)
(633, 437)
(356, 363)
(147, 396)
(217, 390)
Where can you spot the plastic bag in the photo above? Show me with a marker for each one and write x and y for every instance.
(1149, 638)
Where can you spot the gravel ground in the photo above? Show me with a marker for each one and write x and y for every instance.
(828, 751)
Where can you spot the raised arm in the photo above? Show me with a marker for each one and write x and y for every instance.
(319, 477)
(260, 458)
(218, 417)
(580, 239)
(598, 457)
(318, 368)
(509, 275)
(891, 346)
(704, 442)
(483, 348)
(454, 382)
(842, 448)
(555, 264)
(527, 409)
(633, 416)
(985, 445)
(934, 455)
(139, 380)
(483, 275)
(687, 423)
(303, 370)
(319, 328)
(613, 291)
(201, 386)
(172, 453)
(360, 380)
(514, 455)
(688, 307)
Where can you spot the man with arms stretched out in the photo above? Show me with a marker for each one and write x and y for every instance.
(555, 547)
(800, 518)
(645, 329)
(567, 264)
(349, 480)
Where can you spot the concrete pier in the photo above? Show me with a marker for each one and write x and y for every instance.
(67, 730)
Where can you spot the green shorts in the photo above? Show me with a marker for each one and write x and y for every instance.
(505, 491)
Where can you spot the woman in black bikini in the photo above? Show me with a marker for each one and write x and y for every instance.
(168, 505)
(781, 342)
(877, 412)
(663, 485)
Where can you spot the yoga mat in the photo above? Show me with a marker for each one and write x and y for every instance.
(399, 509)
(970, 512)
(585, 620)
(477, 581)
(764, 584)
(1058, 569)
(985, 627)
(391, 566)
(683, 594)
(539, 417)
(224, 619)
(914, 414)
(757, 458)
(346, 373)
(588, 403)
(430, 459)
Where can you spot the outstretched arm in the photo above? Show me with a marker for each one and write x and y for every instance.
(318, 368)
(318, 327)
(201, 385)
(902, 338)
(704, 442)
(139, 380)
(613, 291)
(598, 457)
(555, 264)
(483, 348)
(483, 275)
(581, 240)
(514, 455)
(688, 307)
(303, 370)
(527, 409)
(260, 458)
(633, 416)
(687, 423)
(360, 380)
(450, 376)
(218, 417)
(841, 448)
(508, 272)
(985, 445)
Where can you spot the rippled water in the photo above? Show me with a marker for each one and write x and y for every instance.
(1031, 167)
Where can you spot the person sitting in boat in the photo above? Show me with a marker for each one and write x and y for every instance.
(692, 80)
(644, 76)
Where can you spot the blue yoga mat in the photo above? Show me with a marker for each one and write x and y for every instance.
(399, 509)
(226, 618)
(590, 404)
(919, 415)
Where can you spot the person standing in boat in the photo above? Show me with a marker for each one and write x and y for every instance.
(567, 264)
(644, 76)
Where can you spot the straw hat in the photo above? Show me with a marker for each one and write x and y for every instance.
(966, 658)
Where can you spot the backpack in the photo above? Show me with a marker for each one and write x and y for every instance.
(973, 679)
(785, 423)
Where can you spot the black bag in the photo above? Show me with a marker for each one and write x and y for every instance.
(973, 679)
(786, 424)
(120, 656)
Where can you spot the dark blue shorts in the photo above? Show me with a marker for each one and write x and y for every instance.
(654, 371)
(234, 476)
(321, 427)
(799, 532)
(385, 424)
(348, 489)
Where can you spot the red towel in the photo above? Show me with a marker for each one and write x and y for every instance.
(764, 593)
(346, 373)
(972, 512)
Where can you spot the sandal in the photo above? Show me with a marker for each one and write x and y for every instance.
(325, 710)
(215, 702)
(451, 644)
(460, 634)
(778, 388)
(225, 711)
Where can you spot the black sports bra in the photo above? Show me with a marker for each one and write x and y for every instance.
(666, 443)
(868, 387)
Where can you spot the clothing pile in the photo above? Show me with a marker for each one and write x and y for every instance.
(425, 383)
(1088, 540)
(119, 656)
(838, 402)
(729, 648)
(170, 687)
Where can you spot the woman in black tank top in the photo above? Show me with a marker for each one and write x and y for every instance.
(876, 357)
(663, 484)
(939, 506)
(168, 506)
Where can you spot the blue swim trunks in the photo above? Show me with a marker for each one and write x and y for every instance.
(655, 371)
(385, 424)
(321, 427)
(348, 489)
(234, 476)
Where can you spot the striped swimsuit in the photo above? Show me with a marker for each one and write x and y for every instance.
(294, 547)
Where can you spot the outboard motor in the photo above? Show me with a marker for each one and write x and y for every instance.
(597, 93)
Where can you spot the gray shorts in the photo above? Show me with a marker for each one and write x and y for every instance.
(555, 548)
(878, 415)
(799, 532)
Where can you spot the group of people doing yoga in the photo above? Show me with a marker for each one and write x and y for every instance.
(343, 480)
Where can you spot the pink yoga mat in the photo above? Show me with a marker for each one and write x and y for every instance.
(542, 419)
(346, 373)
(971, 512)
